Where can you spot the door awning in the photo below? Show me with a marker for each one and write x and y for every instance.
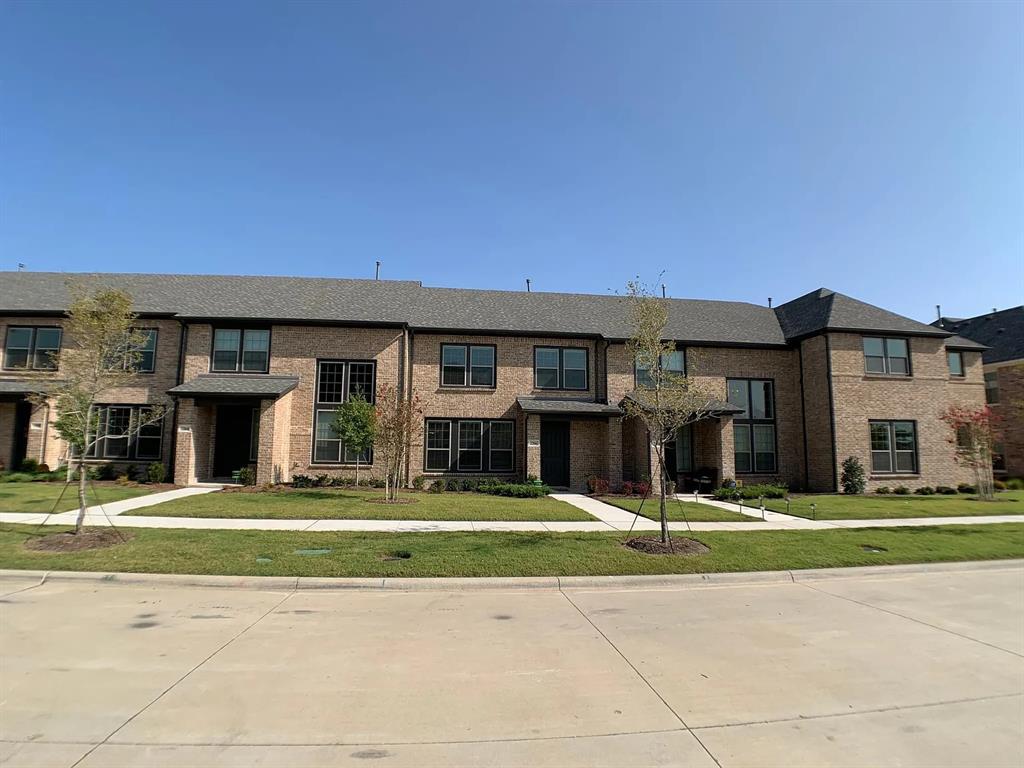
(256, 385)
(560, 406)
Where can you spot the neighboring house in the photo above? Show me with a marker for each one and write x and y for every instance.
(510, 383)
(1002, 333)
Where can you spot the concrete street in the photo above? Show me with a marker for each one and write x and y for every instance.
(912, 668)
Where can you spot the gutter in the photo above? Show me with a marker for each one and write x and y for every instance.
(178, 380)
(832, 413)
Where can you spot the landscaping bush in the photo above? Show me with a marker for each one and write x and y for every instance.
(598, 486)
(945, 490)
(901, 490)
(419, 482)
(515, 490)
(627, 488)
(925, 490)
(767, 490)
(302, 481)
(1015, 484)
(883, 489)
(17, 477)
(28, 465)
(156, 472)
(966, 488)
(104, 472)
(853, 481)
(641, 488)
(43, 469)
(468, 484)
(247, 476)
(999, 485)
(438, 486)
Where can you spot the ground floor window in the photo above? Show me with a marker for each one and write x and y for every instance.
(893, 446)
(469, 445)
(121, 433)
(328, 447)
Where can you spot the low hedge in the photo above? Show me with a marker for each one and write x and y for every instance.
(767, 490)
(515, 490)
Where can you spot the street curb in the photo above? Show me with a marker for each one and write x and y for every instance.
(552, 583)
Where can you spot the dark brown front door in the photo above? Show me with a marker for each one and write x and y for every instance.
(554, 453)
(22, 417)
(232, 440)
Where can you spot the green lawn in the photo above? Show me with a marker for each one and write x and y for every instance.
(40, 497)
(270, 553)
(323, 503)
(695, 513)
(871, 507)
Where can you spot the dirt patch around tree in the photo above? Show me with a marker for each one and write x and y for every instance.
(396, 501)
(675, 546)
(90, 538)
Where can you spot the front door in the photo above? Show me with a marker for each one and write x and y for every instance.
(22, 417)
(233, 439)
(554, 453)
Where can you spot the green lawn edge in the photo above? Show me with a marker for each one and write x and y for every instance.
(40, 497)
(358, 554)
(892, 507)
(694, 513)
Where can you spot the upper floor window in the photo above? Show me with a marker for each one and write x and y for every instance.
(670, 362)
(245, 350)
(887, 356)
(336, 382)
(753, 428)
(468, 365)
(143, 357)
(992, 387)
(32, 347)
(560, 368)
(956, 363)
(893, 446)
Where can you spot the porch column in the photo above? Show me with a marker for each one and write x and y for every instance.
(273, 460)
(185, 451)
(7, 421)
(613, 448)
(533, 445)
(726, 448)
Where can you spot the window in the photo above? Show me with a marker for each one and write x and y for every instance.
(336, 382)
(684, 449)
(468, 365)
(992, 387)
(146, 360)
(254, 435)
(886, 356)
(670, 362)
(754, 427)
(34, 348)
(560, 368)
(893, 446)
(121, 437)
(956, 363)
(998, 457)
(469, 445)
(244, 350)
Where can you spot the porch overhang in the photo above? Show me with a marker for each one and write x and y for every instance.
(236, 385)
(555, 406)
(715, 407)
(17, 388)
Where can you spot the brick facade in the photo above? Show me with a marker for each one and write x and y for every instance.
(1010, 412)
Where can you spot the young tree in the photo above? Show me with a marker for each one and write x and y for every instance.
(355, 421)
(669, 401)
(398, 423)
(102, 351)
(974, 433)
(852, 480)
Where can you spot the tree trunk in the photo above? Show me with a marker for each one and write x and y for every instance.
(357, 470)
(662, 507)
(80, 522)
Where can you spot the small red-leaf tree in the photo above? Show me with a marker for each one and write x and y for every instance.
(974, 433)
(398, 423)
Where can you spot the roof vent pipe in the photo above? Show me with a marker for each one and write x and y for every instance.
(376, 275)
(527, 285)
(938, 312)
(663, 290)
(769, 302)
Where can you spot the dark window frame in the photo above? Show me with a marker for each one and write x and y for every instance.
(750, 422)
(467, 375)
(892, 450)
(156, 344)
(950, 354)
(30, 362)
(328, 406)
(98, 451)
(454, 446)
(561, 368)
(991, 379)
(240, 349)
(636, 369)
(886, 357)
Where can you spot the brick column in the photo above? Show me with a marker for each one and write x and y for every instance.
(613, 448)
(185, 447)
(533, 445)
(726, 448)
(265, 450)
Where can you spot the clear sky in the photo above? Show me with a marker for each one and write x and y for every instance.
(745, 149)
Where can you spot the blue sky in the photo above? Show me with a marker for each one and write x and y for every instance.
(747, 150)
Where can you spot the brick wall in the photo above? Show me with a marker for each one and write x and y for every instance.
(820, 449)
(860, 397)
(1010, 410)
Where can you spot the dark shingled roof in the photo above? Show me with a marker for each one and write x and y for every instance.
(715, 406)
(1002, 332)
(345, 301)
(237, 384)
(825, 310)
(564, 406)
(959, 342)
(25, 386)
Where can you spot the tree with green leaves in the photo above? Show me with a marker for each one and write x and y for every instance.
(355, 421)
(101, 352)
(668, 400)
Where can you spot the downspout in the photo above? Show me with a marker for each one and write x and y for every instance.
(405, 366)
(803, 417)
(182, 340)
(831, 412)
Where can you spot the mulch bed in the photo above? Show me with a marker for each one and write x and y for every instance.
(90, 538)
(676, 546)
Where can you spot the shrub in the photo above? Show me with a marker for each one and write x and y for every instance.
(882, 489)
(852, 480)
(28, 465)
(17, 477)
(945, 490)
(627, 487)
(1015, 484)
(999, 485)
(901, 490)
(767, 490)
(322, 481)
(418, 482)
(105, 472)
(598, 486)
(156, 472)
(438, 486)
(123, 479)
(925, 490)
(43, 468)
(641, 488)
(302, 481)
(725, 493)
(515, 490)
(247, 476)
(468, 484)
(965, 488)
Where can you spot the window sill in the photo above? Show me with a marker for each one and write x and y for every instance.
(340, 466)
(465, 388)
(558, 389)
(895, 476)
(889, 376)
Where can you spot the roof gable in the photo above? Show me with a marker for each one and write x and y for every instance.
(826, 310)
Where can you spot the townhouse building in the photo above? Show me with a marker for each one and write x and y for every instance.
(510, 384)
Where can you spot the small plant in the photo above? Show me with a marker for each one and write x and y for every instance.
(302, 481)
(438, 486)
(598, 486)
(882, 490)
(925, 490)
(123, 479)
(999, 485)
(641, 488)
(852, 480)
(105, 472)
(43, 468)
(901, 490)
(515, 490)
(247, 476)
(28, 465)
(965, 488)
(418, 482)
(945, 490)
(1015, 484)
(156, 472)
(627, 487)
(468, 484)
